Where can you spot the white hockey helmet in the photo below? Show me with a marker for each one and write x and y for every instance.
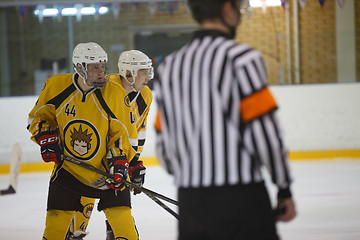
(89, 53)
(133, 61)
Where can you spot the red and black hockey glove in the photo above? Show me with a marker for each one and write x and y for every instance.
(118, 166)
(137, 175)
(49, 146)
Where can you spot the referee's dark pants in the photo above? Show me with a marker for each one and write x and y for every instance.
(231, 212)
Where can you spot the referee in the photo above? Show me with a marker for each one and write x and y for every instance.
(216, 128)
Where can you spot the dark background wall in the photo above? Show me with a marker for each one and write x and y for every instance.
(34, 45)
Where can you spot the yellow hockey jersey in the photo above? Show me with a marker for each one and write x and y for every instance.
(139, 102)
(91, 124)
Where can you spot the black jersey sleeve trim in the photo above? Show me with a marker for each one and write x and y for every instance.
(141, 104)
(56, 101)
(103, 104)
(132, 96)
(141, 142)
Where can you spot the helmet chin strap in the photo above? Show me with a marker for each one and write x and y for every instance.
(83, 75)
(87, 84)
(131, 83)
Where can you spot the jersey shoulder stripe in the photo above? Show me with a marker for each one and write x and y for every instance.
(56, 101)
(143, 101)
(103, 103)
(140, 102)
(61, 86)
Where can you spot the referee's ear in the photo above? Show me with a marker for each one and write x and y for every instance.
(230, 13)
(226, 8)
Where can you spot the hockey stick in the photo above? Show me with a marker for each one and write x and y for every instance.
(161, 204)
(14, 170)
(130, 184)
(152, 195)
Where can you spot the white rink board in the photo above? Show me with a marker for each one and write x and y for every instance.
(314, 116)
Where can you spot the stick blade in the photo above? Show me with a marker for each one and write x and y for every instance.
(10, 190)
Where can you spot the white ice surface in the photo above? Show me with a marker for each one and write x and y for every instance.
(327, 194)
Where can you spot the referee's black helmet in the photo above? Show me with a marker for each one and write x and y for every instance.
(207, 9)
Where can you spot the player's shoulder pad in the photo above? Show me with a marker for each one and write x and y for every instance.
(115, 79)
(146, 93)
(114, 83)
(113, 93)
(59, 82)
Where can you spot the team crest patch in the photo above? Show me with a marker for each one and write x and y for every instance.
(81, 139)
(127, 101)
(88, 210)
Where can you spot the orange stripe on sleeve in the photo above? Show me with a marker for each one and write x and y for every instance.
(158, 121)
(257, 105)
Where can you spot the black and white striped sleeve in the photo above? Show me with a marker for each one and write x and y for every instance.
(263, 136)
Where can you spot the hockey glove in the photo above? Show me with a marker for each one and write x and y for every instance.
(137, 175)
(49, 146)
(118, 166)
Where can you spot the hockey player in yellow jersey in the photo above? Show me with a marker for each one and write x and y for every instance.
(77, 115)
(135, 71)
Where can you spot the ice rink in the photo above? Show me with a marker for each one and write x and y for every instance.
(327, 194)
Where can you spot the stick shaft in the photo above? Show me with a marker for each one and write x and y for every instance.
(163, 205)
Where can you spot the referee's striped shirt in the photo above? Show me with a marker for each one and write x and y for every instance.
(216, 124)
